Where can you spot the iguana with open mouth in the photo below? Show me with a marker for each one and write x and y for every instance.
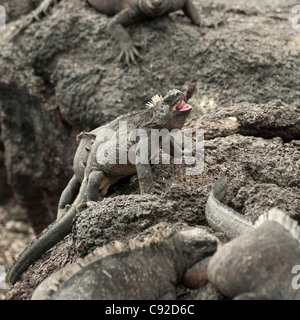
(93, 176)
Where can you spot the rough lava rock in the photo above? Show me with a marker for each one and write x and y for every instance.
(254, 166)
(60, 76)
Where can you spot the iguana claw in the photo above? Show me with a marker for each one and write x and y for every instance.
(62, 211)
(81, 207)
(91, 203)
(156, 189)
(42, 8)
(130, 53)
(85, 205)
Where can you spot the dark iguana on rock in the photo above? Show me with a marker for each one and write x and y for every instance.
(149, 272)
(93, 174)
(258, 263)
(127, 12)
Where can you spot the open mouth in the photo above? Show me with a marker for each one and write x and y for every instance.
(181, 105)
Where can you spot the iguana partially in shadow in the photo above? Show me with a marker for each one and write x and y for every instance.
(149, 270)
(94, 173)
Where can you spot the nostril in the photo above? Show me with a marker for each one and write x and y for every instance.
(156, 2)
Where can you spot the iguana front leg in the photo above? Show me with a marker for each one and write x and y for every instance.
(190, 10)
(145, 178)
(116, 29)
(143, 167)
(98, 185)
(175, 149)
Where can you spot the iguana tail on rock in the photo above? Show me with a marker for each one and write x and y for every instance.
(222, 218)
(46, 240)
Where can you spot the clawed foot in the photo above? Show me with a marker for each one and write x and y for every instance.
(61, 212)
(130, 53)
(86, 205)
(153, 188)
(43, 8)
(91, 204)
(157, 189)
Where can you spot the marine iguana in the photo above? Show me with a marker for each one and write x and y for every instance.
(92, 179)
(258, 263)
(145, 271)
(127, 12)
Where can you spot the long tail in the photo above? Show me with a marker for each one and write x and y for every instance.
(222, 218)
(55, 232)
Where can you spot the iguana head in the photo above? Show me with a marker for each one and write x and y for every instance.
(155, 4)
(170, 111)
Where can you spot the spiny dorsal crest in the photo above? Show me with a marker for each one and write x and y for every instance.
(155, 102)
(102, 252)
(155, 239)
(116, 247)
(283, 219)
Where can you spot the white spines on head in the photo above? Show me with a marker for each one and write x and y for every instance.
(154, 102)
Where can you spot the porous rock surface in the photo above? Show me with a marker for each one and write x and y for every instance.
(60, 76)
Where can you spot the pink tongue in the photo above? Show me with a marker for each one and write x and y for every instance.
(181, 105)
(185, 106)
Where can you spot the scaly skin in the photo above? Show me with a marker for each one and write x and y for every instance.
(92, 179)
(258, 262)
(152, 272)
(127, 12)
(222, 218)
